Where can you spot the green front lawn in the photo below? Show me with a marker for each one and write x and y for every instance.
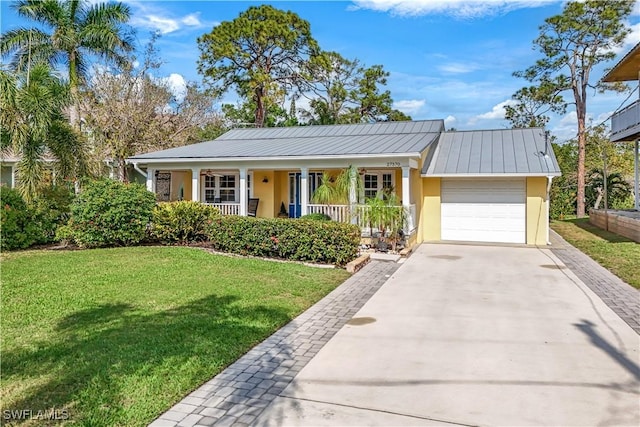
(618, 254)
(117, 336)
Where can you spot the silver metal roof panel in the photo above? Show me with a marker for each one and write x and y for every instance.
(492, 152)
(335, 140)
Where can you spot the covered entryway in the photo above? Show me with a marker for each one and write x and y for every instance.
(484, 210)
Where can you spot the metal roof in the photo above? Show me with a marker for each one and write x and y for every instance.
(492, 152)
(311, 141)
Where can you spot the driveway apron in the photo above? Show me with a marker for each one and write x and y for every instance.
(472, 335)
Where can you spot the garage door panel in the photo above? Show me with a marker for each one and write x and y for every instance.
(483, 210)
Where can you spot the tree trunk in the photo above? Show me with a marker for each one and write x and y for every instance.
(74, 115)
(122, 170)
(582, 143)
(259, 118)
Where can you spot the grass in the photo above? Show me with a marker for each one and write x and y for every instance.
(618, 254)
(117, 336)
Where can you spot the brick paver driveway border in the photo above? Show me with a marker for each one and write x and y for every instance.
(237, 395)
(621, 297)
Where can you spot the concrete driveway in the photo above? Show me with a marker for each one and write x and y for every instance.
(473, 335)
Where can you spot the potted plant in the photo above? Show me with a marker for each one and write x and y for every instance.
(283, 212)
(388, 216)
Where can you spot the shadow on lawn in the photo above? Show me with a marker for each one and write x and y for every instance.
(610, 237)
(91, 366)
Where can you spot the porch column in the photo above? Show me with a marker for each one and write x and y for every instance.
(151, 181)
(304, 191)
(353, 195)
(637, 174)
(195, 184)
(243, 192)
(406, 195)
(13, 176)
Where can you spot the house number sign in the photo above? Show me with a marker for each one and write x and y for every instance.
(393, 164)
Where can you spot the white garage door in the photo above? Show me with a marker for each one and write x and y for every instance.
(484, 210)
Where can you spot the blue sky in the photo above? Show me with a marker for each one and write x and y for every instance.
(448, 60)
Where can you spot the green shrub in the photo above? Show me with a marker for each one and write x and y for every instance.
(316, 241)
(51, 209)
(18, 230)
(111, 213)
(317, 216)
(182, 222)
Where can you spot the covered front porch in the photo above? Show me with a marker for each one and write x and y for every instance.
(287, 192)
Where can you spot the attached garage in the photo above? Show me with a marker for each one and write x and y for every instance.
(488, 186)
(484, 210)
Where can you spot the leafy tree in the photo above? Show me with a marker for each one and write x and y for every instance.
(618, 189)
(371, 105)
(260, 54)
(243, 114)
(564, 188)
(331, 81)
(32, 127)
(78, 29)
(572, 43)
(129, 111)
(349, 95)
(532, 104)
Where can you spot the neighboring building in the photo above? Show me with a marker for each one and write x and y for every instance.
(8, 166)
(625, 124)
(489, 186)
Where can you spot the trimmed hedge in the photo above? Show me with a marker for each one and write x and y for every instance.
(110, 213)
(301, 240)
(51, 210)
(182, 222)
(316, 217)
(18, 230)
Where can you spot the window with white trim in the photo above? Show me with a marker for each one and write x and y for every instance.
(228, 188)
(370, 186)
(375, 183)
(209, 189)
(221, 188)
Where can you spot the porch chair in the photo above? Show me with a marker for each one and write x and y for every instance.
(252, 207)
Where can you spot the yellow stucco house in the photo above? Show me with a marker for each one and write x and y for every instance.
(482, 186)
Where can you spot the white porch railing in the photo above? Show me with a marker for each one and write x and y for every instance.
(338, 213)
(342, 213)
(226, 208)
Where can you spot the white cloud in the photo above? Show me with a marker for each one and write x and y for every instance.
(569, 119)
(192, 20)
(496, 113)
(456, 8)
(634, 36)
(409, 106)
(155, 18)
(458, 67)
(177, 85)
(450, 122)
(630, 41)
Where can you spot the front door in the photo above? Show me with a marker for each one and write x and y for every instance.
(294, 195)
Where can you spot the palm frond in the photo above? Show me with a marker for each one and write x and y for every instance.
(30, 168)
(112, 13)
(48, 12)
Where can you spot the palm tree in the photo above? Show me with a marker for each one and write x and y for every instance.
(618, 189)
(32, 127)
(78, 29)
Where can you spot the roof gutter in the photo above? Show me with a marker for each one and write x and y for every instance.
(489, 175)
(134, 160)
(140, 171)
